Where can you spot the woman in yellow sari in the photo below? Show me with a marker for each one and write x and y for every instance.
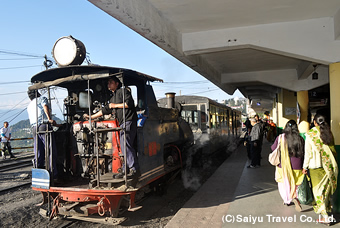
(288, 173)
(320, 160)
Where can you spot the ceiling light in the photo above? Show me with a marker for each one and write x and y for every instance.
(315, 75)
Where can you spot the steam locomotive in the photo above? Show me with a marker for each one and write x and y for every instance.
(89, 151)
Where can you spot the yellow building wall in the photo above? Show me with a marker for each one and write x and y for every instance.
(334, 81)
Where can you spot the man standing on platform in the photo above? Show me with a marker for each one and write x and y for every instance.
(255, 145)
(5, 140)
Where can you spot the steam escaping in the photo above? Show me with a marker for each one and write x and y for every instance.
(191, 180)
(202, 159)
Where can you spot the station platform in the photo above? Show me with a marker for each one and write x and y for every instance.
(237, 196)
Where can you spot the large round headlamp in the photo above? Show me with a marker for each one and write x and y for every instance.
(68, 51)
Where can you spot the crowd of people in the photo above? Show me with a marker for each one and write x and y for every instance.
(312, 158)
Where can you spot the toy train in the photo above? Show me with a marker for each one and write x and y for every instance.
(89, 151)
(206, 116)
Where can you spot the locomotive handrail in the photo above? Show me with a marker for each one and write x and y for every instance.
(108, 129)
(96, 131)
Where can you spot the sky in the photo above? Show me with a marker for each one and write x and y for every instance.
(29, 30)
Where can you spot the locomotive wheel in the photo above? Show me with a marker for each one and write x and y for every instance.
(172, 156)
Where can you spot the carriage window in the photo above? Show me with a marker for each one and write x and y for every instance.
(84, 100)
(190, 114)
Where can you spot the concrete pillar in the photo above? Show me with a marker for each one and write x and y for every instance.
(273, 113)
(302, 99)
(334, 81)
(279, 111)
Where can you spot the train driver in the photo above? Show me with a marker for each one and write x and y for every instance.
(116, 106)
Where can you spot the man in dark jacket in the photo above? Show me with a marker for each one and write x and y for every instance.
(116, 105)
(255, 138)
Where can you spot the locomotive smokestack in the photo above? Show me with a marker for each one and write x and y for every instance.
(170, 100)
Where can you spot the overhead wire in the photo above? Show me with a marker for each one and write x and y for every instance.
(3, 94)
(9, 68)
(207, 91)
(4, 83)
(32, 56)
(57, 101)
(189, 82)
(22, 58)
(21, 54)
(27, 56)
(201, 92)
(17, 115)
(184, 85)
(13, 107)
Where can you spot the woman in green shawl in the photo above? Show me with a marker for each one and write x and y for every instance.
(320, 160)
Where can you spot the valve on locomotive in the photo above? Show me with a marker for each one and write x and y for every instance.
(85, 144)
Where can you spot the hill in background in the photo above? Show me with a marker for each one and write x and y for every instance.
(22, 129)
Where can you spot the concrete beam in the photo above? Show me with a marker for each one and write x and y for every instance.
(201, 66)
(337, 26)
(261, 96)
(263, 88)
(286, 79)
(291, 39)
(265, 104)
(304, 70)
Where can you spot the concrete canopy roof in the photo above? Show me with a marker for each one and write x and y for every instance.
(256, 46)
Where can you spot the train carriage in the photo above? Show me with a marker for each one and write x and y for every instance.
(206, 116)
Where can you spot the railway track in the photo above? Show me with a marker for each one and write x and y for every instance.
(9, 189)
(156, 211)
(19, 177)
(16, 164)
